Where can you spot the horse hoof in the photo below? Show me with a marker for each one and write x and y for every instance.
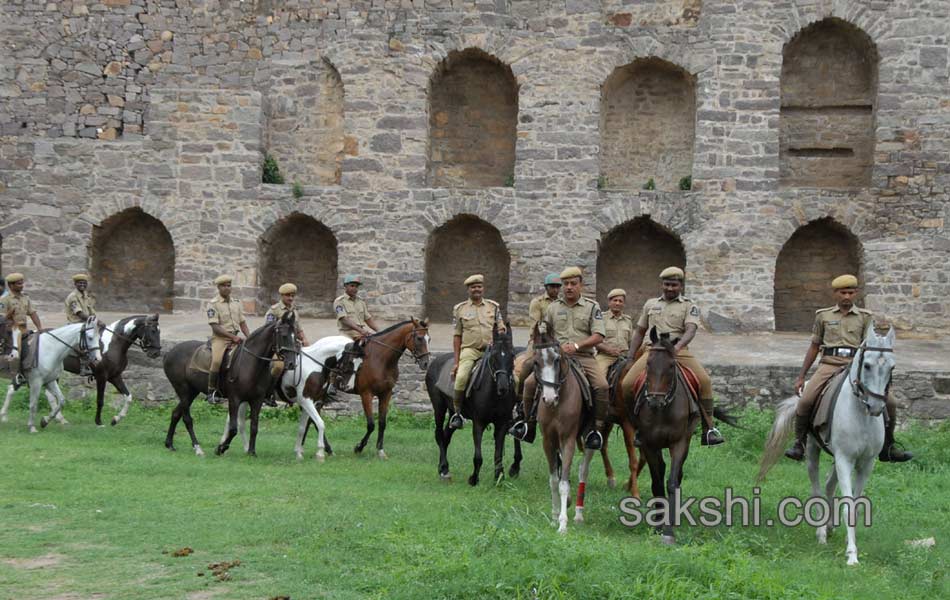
(669, 540)
(513, 472)
(852, 558)
(320, 456)
(357, 450)
(562, 529)
(3, 419)
(98, 423)
(473, 481)
(33, 430)
(612, 482)
(63, 422)
(170, 447)
(300, 456)
(115, 420)
(199, 451)
(252, 453)
(382, 454)
(578, 518)
(822, 536)
(44, 422)
(218, 451)
(445, 476)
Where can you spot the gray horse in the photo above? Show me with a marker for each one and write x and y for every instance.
(855, 438)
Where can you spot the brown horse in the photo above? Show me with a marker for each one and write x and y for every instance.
(665, 414)
(620, 416)
(560, 415)
(379, 371)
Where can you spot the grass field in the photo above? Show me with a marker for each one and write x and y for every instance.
(97, 513)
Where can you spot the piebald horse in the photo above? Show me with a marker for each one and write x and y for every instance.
(856, 433)
(76, 339)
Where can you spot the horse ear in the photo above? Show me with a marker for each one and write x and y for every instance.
(891, 335)
(153, 317)
(653, 337)
(674, 342)
(424, 323)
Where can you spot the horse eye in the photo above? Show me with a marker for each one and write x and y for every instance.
(867, 366)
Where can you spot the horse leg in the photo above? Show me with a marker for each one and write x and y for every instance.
(119, 384)
(678, 453)
(845, 469)
(302, 423)
(582, 484)
(231, 430)
(100, 399)
(608, 468)
(251, 449)
(564, 483)
(442, 437)
(55, 410)
(499, 431)
(383, 411)
(813, 455)
(515, 468)
(34, 399)
(551, 452)
(190, 426)
(51, 400)
(242, 424)
(308, 412)
(629, 434)
(477, 430)
(6, 404)
(367, 398)
(657, 475)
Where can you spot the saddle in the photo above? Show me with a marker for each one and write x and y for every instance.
(613, 382)
(824, 409)
(30, 350)
(201, 359)
(587, 394)
(479, 369)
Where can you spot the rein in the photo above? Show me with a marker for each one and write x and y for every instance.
(657, 400)
(134, 341)
(857, 385)
(537, 369)
(83, 346)
(372, 340)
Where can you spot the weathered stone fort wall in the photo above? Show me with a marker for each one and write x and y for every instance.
(433, 138)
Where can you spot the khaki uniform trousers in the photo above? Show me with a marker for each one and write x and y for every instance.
(827, 367)
(523, 364)
(595, 376)
(467, 358)
(684, 358)
(218, 347)
(606, 361)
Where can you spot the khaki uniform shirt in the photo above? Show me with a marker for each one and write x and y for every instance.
(670, 317)
(619, 330)
(21, 306)
(77, 302)
(277, 311)
(836, 328)
(355, 309)
(538, 307)
(226, 313)
(474, 322)
(574, 324)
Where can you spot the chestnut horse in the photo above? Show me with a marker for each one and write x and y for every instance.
(620, 416)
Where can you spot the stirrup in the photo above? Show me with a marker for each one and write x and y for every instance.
(714, 441)
(888, 454)
(519, 430)
(19, 381)
(214, 397)
(456, 421)
(330, 393)
(593, 440)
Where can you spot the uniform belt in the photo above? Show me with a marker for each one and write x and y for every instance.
(842, 351)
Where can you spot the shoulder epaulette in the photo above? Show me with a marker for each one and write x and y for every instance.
(821, 310)
(459, 305)
(339, 298)
(492, 302)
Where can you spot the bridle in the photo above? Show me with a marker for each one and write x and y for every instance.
(658, 400)
(136, 339)
(857, 386)
(496, 370)
(562, 377)
(84, 349)
(279, 351)
(415, 334)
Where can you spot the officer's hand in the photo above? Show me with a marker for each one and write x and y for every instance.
(799, 385)
(568, 348)
(455, 369)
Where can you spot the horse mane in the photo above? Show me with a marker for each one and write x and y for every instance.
(391, 328)
(259, 331)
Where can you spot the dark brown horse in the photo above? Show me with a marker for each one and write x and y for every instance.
(379, 371)
(620, 416)
(665, 414)
(247, 379)
(116, 339)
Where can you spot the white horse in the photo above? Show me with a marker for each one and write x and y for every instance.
(856, 437)
(79, 338)
(307, 380)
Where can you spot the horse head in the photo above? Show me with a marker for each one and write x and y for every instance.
(146, 328)
(547, 363)
(285, 336)
(418, 342)
(872, 369)
(501, 359)
(89, 341)
(661, 369)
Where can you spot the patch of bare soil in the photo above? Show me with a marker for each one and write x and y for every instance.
(37, 562)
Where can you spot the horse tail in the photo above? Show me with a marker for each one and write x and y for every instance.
(778, 436)
(726, 417)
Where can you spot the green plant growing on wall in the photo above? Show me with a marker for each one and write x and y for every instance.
(686, 183)
(271, 172)
(510, 180)
(297, 190)
(602, 182)
(650, 185)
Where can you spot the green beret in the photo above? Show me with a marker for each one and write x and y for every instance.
(348, 279)
(552, 279)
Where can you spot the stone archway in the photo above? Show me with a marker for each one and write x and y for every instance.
(133, 263)
(459, 248)
(301, 250)
(814, 255)
(647, 125)
(473, 121)
(631, 257)
(829, 94)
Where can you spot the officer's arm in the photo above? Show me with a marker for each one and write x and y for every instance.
(36, 320)
(457, 348)
(637, 340)
(244, 330)
(590, 342)
(221, 332)
(373, 323)
(687, 337)
(810, 355)
(352, 324)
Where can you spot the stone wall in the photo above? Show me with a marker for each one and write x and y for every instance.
(189, 81)
(813, 256)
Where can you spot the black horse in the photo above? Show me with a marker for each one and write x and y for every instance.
(248, 379)
(490, 402)
(116, 339)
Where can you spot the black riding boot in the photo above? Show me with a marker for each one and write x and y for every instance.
(711, 435)
(797, 451)
(214, 396)
(456, 421)
(891, 453)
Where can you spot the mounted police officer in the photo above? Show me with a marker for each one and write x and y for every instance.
(473, 321)
(288, 296)
(226, 317)
(578, 326)
(536, 310)
(80, 304)
(676, 315)
(17, 306)
(618, 330)
(353, 318)
(837, 333)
